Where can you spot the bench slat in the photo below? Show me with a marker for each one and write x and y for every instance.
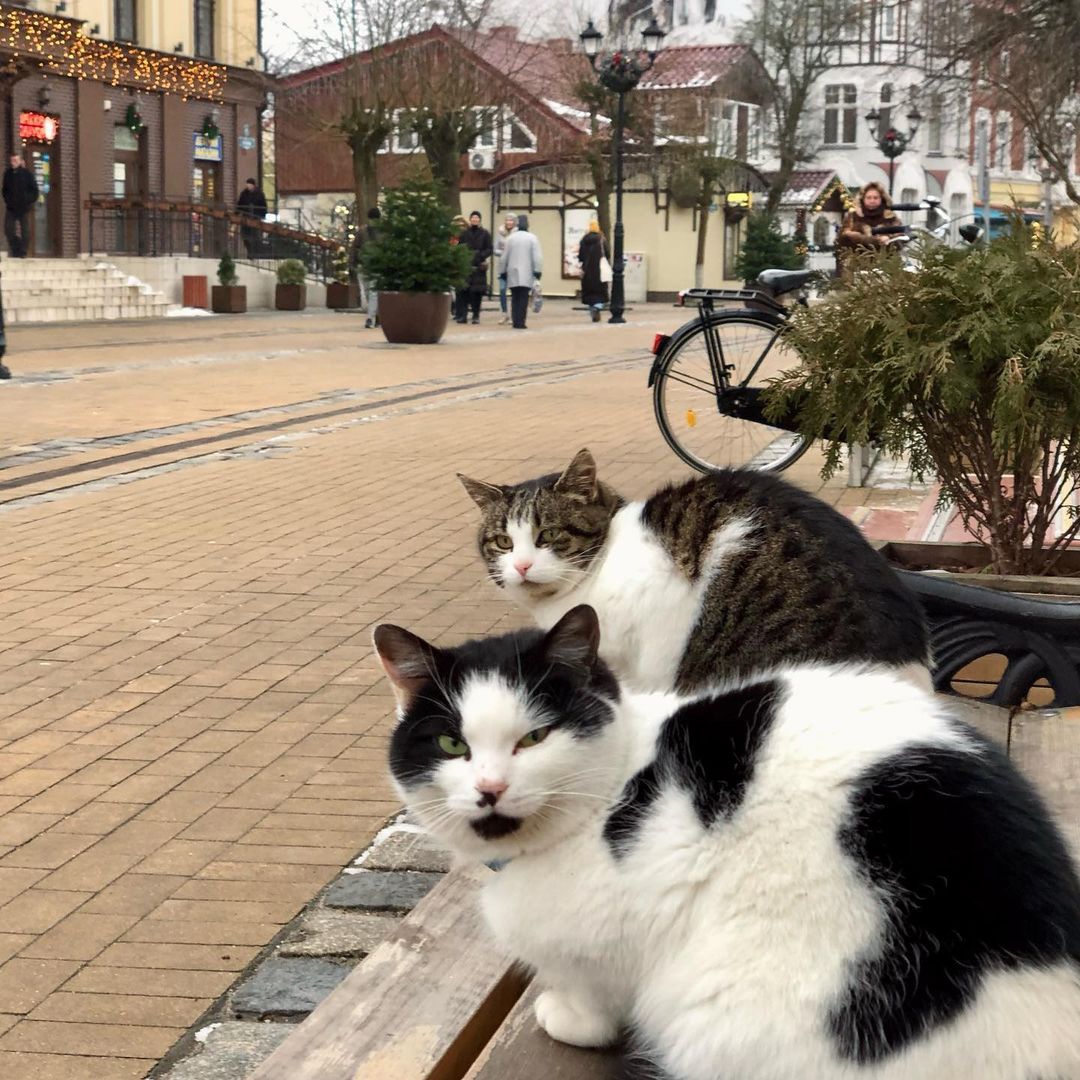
(521, 1051)
(991, 720)
(1045, 745)
(420, 1007)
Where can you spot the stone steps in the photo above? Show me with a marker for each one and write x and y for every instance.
(74, 290)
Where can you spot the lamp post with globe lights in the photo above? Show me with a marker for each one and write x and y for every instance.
(891, 142)
(620, 71)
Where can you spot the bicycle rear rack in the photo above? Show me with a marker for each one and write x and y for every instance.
(754, 299)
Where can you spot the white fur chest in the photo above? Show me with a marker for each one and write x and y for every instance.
(646, 605)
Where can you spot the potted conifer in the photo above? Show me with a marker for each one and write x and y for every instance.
(290, 293)
(413, 264)
(229, 297)
(341, 292)
(968, 366)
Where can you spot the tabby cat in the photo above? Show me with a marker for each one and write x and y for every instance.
(720, 576)
(813, 874)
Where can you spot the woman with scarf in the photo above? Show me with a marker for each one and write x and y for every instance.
(872, 209)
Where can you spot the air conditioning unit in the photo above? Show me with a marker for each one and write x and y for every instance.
(482, 160)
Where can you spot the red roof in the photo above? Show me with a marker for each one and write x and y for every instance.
(682, 67)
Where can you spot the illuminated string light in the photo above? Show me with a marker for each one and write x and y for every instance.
(59, 46)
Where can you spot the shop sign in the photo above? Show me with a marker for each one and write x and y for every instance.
(744, 200)
(38, 127)
(207, 149)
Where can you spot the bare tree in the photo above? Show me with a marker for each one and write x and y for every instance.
(1024, 57)
(795, 41)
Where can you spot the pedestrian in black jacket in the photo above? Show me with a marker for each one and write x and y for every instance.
(252, 203)
(20, 192)
(478, 240)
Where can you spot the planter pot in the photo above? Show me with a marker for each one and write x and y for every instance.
(996, 641)
(409, 318)
(290, 297)
(228, 299)
(342, 294)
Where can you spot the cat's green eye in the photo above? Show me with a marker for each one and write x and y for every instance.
(502, 541)
(534, 738)
(454, 747)
(547, 536)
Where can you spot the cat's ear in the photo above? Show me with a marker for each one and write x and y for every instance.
(409, 661)
(482, 494)
(574, 641)
(579, 477)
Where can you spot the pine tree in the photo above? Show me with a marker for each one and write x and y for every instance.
(766, 248)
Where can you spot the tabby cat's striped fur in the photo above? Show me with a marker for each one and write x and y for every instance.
(719, 577)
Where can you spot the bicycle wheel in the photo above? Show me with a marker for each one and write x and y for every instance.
(696, 420)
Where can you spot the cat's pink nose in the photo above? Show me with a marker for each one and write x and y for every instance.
(523, 566)
(490, 790)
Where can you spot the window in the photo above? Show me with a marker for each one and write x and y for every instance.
(727, 129)
(885, 108)
(204, 28)
(982, 140)
(486, 136)
(753, 133)
(1003, 144)
(934, 125)
(516, 136)
(957, 211)
(125, 27)
(888, 22)
(821, 233)
(841, 114)
(908, 195)
(405, 138)
(710, 10)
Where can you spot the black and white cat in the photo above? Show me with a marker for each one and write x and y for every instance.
(816, 874)
(719, 577)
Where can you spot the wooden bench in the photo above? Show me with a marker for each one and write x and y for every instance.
(438, 1001)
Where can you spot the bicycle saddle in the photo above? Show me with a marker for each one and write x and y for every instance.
(784, 281)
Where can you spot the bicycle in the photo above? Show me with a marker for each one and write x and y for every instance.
(708, 377)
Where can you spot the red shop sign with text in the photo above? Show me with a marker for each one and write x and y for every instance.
(37, 127)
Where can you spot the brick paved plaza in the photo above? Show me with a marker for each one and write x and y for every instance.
(202, 520)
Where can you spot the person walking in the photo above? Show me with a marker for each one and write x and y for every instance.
(251, 203)
(505, 229)
(521, 264)
(592, 251)
(20, 191)
(478, 240)
(371, 232)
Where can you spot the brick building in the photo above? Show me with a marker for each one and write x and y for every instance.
(133, 100)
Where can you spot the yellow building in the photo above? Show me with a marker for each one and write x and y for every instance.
(226, 31)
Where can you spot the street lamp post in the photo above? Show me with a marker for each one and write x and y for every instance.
(890, 142)
(620, 72)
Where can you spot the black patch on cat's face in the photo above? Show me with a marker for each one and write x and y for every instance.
(558, 672)
(976, 878)
(495, 826)
(708, 748)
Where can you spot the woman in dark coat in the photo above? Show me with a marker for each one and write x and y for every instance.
(594, 292)
(478, 240)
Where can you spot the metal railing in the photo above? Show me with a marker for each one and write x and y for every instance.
(155, 226)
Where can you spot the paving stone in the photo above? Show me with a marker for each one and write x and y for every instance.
(338, 933)
(287, 987)
(381, 890)
(231, 1051)
(406, 851)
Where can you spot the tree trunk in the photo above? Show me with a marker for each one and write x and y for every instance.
(602, 188)
(365, 193)
(702, 236)
(441, 144)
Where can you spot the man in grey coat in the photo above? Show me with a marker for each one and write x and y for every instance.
(521, 264)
